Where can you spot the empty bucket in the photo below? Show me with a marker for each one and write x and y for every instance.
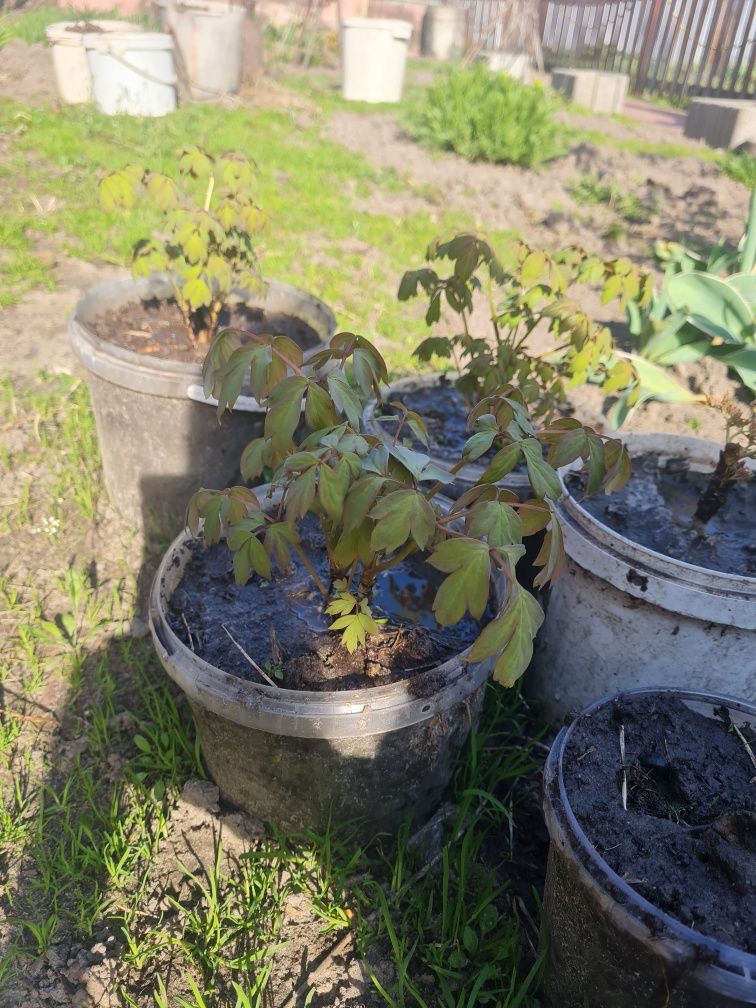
(374, 52)
(70, 57)
(132, 72)
(209, 37)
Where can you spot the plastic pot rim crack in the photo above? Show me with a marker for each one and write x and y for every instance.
(670, 938)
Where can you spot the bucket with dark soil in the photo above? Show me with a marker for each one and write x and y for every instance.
(160, 439)
(650, 593)
(650, 900)
(293, 728)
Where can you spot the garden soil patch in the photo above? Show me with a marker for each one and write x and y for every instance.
(692, 200)
(687, 842)
(281, 624)
(656, 509)
(157, 328)
(26, 72)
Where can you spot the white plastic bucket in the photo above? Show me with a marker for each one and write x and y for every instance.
(210, 37)
(374, 53)
(623, 616)
(70, 57)
(444, 32)
(132, 72)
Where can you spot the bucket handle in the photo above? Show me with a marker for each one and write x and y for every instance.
(139, 70)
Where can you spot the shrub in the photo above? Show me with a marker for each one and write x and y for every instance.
(487, 116)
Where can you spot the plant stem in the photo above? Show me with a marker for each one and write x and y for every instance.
(720, 481)
(749, 249)
(311, 571)
(439, 485)
(209, 193)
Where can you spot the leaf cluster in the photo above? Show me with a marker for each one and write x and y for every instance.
(206, 240)
(525, 289)
(706, 308)
(487, 116)
(376, 502)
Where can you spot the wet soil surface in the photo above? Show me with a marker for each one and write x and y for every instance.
(156, 328)
(687, 842)
(281, 624)
(656, 509)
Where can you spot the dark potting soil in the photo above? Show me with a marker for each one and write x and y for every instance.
(687, 842)
(280, 623)
(444, 410)
(656, 509)
(156, 328)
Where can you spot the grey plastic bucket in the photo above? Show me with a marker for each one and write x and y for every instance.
(607, 946)
(301, 759)
(160, 439)
(622, 615)
(209, 36)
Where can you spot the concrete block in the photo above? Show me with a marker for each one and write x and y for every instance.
(598, 90)
(721, 122)
(516, 64)
(444, 33)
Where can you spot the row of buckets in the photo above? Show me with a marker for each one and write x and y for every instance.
(127, 70)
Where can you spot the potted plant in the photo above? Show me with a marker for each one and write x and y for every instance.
(660, 582)
(343, 678)
(143, 338)
(706, 308)
(650, 893)
(524, 295)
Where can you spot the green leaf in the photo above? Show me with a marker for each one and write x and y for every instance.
(197, 294)
(301, 494)
(532, 268)
(497, 521)
(657, 383)
(551, 555)
(502, 463)
(319, 409)
(278, 537)
(420, 466)
(195, 248)
(362, 496)
(345, 397)
(712, 305)
(398, 516)
(543, 479)
(162, 192)
(467, 587)
(510, 636)
(356, 627)
(117, 191)
(283, 414)
(254, 459)
(433, 346)
(195, 162)
(332, 487)
(479, 444)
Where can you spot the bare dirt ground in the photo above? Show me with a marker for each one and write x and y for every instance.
(26, 72)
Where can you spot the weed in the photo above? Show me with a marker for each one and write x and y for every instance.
(741, 168)
(487, 116)
(592, 189)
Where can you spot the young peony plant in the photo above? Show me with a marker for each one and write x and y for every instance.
(205, 242)
(377, 503)
(526, 290)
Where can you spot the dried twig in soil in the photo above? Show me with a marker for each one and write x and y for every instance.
(251, 661)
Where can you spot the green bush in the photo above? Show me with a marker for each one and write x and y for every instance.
(487, 116)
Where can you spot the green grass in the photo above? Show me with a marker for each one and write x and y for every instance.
(29, 26)
(591, 189)
(313, 219)
(95, 746)
(741, 168)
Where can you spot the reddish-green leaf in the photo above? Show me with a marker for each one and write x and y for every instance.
(510, 636)
(333, 484)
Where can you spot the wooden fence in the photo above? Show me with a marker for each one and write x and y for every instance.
(675, 48)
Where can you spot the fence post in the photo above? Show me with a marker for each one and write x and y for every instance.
(649, 38)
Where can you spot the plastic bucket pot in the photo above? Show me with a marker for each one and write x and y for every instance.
(622, 615)
(210, 38)
(444, 32)
(160, 439)
(607, 946)
(303, 760)
(69, 56)
(374, 54)
(132, 72)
